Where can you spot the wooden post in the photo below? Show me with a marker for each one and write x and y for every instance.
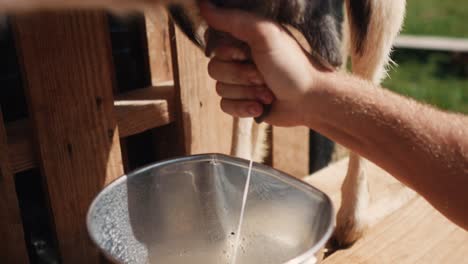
(166, 141)
(205, 128)
(13, 247)
(159, 45)
(68, 72)
(291, 150)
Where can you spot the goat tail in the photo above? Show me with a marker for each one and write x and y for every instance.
(373, 26)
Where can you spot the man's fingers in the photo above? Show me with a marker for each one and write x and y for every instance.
(242, 92)
(234, 73)
(230, 53)
(241, 109)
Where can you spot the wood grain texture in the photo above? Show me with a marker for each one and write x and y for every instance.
(416, 233)
(135, 111)
(68, 73)
(290, 150)
(386, 193)
(144, 109)
(13, 247)
(159, 45)
(20, 146)
(158, 34)
(413, 233)
(201, 123)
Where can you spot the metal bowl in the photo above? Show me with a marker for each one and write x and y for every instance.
(186, 210)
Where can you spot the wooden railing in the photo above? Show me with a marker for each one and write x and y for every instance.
(432, 43)
(76, 120)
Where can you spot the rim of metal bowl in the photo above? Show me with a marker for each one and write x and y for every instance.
(230, 160)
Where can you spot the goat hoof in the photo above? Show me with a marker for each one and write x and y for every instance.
(345, 236)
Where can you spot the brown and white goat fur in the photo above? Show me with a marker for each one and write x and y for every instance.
(368, 43)
(369, 30)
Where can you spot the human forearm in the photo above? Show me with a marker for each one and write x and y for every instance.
(424, 148)
(414, 142)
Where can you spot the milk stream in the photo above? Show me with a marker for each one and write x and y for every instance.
(241, 218)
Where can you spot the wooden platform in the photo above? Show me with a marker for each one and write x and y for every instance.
(414, 233)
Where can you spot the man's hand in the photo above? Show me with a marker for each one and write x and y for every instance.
(279, 71)
(424, 148)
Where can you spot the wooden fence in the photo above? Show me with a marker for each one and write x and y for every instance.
(456, 45)
(79, 128)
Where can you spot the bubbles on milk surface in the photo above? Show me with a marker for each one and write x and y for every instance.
(241, 218)
(239, 244)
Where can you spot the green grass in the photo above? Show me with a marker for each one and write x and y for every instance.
(433, 77)
(437, 17)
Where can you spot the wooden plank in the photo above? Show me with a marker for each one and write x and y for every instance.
(416, 233)
(385, 191)
(13, 249)
(144, 109)
(139, 111)
(167, 144)
(201, 123)
(291, 150)
(432, 43)
(135, 111)
(68, 72)
(159, 45)
(20, 142)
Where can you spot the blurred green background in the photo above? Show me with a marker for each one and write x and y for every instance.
(437, 78)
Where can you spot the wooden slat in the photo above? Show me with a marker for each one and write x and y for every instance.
(165, 144)
(413, 233)
(416, 233)
(159, 45)
(385, 191)
(143, 109)
(201, 123)
(13, 247)
(291, 150)
(135, 111)
(20, 144)
(68, 72)
(432, 43)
